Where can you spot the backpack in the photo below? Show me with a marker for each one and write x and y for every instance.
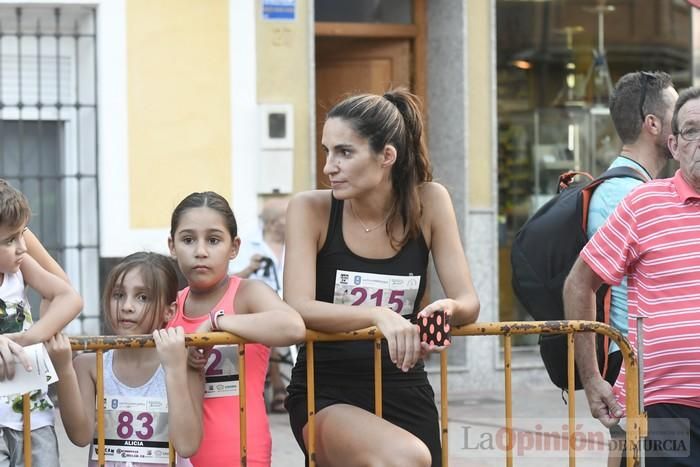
(543, 252)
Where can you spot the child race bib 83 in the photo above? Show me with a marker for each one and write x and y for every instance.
(136, 430)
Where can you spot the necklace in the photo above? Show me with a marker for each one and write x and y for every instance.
(367, 229)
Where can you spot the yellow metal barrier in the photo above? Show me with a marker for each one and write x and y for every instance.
(636, 421)
(101, 343)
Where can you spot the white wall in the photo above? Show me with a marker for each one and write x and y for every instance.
(118, 238)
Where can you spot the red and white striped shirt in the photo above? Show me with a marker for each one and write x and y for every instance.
(653, 237)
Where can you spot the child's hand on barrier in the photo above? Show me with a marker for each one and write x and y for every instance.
(60, 351)
(197, 357)
(170, 344)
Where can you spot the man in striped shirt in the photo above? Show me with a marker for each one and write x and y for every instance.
(653, 237)
(641, 108)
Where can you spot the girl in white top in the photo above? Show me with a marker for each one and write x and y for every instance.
(151, 395)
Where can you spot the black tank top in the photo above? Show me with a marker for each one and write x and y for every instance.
(351, 362)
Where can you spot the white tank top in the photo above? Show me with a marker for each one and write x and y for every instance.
(153, 388)
(12, 291)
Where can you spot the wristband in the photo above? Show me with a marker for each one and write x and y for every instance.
(213, 319)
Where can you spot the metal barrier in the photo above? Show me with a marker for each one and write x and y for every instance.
(101, 343)
(636, 421)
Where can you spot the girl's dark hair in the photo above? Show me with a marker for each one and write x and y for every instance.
(159, 277)
(396, 119)
(206, 199)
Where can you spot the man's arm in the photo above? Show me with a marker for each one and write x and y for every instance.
(580, 304)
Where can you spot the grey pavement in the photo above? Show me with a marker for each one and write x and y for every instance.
(476, 433)
(540, 422)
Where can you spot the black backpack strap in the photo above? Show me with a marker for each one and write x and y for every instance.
(622, 171)
(616, 172)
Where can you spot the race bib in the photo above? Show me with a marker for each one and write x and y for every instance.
(365, 289)
(221, 373)
(136, 430)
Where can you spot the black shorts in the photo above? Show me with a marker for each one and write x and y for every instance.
(411, 408)
(674, 436)
(614, 365)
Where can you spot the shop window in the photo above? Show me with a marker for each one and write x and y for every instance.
(555, 72)
(364, 11)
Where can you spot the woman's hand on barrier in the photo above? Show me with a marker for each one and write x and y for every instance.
(401, 337)
(445, 304)
(58, 348)
(170, 344)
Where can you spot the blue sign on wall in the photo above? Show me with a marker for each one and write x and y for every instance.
(279, 10)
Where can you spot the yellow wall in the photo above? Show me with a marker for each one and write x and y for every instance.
(284, 77)
(178, 104)
(480, 106)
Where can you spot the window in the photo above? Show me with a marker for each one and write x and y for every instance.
(555, 72)
(48, 136)
(364, 11)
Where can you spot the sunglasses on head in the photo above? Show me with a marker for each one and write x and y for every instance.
(645, 78)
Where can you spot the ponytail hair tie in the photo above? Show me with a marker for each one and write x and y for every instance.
(391, 98)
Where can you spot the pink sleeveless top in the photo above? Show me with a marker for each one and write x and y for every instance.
(220, 443)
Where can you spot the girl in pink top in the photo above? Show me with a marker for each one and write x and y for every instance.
(203, 239)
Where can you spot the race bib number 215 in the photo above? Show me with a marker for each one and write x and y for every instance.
(366, 289)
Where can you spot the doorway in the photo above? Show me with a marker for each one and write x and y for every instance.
(365, 57)
(363, 66)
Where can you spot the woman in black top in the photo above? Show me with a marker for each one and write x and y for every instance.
(356, 256)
